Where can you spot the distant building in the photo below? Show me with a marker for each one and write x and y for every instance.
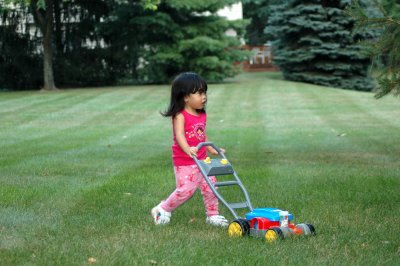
(261, 58)
(232, 12)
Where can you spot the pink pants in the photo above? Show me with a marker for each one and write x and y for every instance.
(188, 179)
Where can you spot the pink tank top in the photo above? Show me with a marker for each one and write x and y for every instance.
(195, 132)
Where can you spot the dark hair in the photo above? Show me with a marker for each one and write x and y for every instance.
(183, 85)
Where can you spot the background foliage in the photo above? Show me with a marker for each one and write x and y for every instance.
(108, 42)
(112, 42)
(315, 42)
(180, 37)
(385, 50)
(258, 12)
(20, 62)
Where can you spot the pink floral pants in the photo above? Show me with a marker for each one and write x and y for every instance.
(188, 179)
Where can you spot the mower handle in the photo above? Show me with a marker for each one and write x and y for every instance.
(202, 144)
(204, 168)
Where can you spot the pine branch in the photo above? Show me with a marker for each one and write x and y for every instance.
(386, 86)
(386, 46)
(387, 20)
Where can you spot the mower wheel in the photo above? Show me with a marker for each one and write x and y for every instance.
(312, 229)
(238, 228)
(286, 231)
(273, 234)
(308, 229)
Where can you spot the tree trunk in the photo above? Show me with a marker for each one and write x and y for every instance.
(45, 20)
(48, 58)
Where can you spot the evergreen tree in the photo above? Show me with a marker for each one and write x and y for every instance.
(109, 42)
(258, 12)
(314, 42)
(385, 50)
(187, 35)
(137, 44)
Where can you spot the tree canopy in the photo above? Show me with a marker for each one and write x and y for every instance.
(385, 50)
(258, 12)
(180, 36)
(314, 42)
(110, 42)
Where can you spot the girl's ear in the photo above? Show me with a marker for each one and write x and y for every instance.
(186, 98)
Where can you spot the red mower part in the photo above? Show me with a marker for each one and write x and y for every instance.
(262, 223)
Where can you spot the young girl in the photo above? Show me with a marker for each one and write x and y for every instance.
(188, 100)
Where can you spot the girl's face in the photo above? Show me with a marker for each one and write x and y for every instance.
(196, 101)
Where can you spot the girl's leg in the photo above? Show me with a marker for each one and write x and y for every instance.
(211, 203)
(210, 200)
(186, 185)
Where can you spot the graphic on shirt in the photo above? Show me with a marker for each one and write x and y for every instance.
(197, 132)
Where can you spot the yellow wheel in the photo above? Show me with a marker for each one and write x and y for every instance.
(273, 234)
(235, 230)
(238, 228)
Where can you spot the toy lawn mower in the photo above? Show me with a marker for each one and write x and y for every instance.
(269, 223)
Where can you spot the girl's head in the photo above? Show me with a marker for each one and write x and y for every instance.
(182, 86)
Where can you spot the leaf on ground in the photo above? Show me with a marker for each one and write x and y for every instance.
(91, 260)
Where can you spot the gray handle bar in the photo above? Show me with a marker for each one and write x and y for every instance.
(231, 206)
(202, 144)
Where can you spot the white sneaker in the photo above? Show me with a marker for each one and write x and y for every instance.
(217, 220)
(160, 215)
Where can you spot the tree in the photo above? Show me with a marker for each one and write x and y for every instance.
(258, 12)
(314, 42)
(42, 11)
(46, 13)
(44, 18)
(20, 62)
(110, 42)
(386, 47)
(182, 35)
(123, 31)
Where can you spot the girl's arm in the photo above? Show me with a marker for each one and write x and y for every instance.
(212, 150)
(179, 127)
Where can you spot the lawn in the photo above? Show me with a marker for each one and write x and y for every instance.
(80, 170)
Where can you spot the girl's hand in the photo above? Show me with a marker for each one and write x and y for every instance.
(192, 151)
(214, 151)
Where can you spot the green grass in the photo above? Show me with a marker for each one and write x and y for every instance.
(81, 169)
